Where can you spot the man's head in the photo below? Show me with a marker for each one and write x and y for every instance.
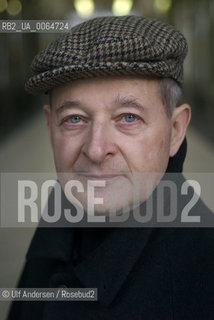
(116, 115)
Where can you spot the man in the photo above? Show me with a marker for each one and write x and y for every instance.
(115, 117)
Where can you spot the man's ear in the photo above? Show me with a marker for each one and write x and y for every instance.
(180, 119)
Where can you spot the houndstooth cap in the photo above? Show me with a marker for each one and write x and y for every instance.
(108, 46)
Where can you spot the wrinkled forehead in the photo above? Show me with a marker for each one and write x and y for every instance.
(107, 95)
(106, 87)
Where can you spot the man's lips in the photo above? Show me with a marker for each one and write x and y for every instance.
(99, 176)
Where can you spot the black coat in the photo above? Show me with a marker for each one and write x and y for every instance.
(140, 273)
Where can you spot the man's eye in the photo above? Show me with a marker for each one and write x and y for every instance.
(74, 119)
(129, 117)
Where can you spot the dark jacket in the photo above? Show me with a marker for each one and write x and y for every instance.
(140, 273)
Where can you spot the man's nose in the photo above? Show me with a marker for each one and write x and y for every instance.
(99, 144)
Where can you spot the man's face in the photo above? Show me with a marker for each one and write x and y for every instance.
(110, 129)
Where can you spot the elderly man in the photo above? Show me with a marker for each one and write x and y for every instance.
(115, 116)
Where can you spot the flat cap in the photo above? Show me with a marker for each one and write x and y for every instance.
(107, 46)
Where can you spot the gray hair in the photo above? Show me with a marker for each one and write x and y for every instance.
(171, 94)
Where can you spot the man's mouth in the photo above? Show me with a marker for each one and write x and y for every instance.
(98, 177)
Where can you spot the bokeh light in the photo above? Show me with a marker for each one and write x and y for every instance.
(162, 6)
(84, 8)
(122, 7)
(14, 7)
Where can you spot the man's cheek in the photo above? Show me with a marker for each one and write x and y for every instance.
(60, 141)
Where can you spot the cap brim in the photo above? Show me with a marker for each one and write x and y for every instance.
(48, 80)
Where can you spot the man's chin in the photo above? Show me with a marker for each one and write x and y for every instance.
(107, 211)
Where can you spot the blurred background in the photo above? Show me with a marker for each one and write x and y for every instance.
(23, 138)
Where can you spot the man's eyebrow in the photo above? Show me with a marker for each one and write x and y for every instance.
(119, 101)
(128, 102)
(69, 104)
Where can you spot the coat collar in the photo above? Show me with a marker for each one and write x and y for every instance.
(105, 268)
(108, 266)
(51, 243)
